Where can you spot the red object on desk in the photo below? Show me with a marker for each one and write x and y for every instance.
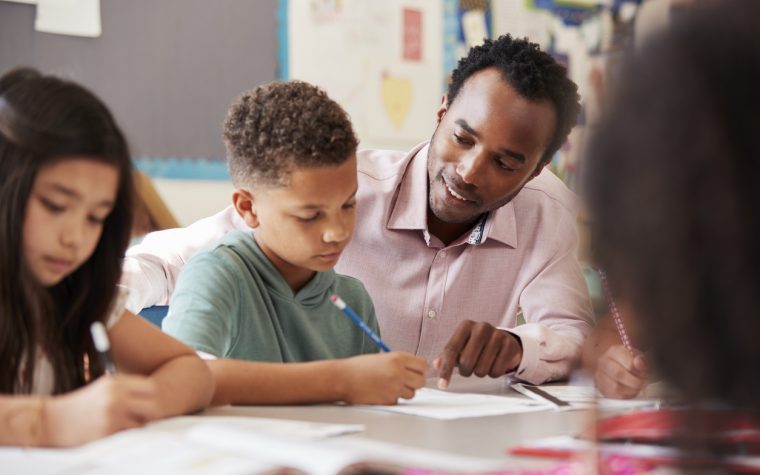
(720, 427)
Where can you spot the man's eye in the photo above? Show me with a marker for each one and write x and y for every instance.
(504, 166)
(461, 140)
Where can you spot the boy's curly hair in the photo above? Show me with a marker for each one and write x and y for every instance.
(533, 73)
(276, 127)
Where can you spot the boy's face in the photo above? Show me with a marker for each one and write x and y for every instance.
(304, 226)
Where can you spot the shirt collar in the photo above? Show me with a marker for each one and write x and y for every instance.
(410, 208)
(409, 212)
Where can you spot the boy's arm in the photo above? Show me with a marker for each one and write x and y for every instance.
(365, 379)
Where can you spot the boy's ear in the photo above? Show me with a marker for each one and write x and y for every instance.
(245, 206)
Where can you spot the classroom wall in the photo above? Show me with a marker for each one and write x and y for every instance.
(168, 69)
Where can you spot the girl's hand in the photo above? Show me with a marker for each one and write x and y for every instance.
(108, 405)
(381, 378)
(621, 373)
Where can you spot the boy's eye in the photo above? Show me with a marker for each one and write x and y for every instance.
(349, 205)
(95, 219)
(308, 219)
(52, 206)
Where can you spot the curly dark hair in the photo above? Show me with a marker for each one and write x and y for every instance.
(44, 119)
(276, 127)
(533, 73)
(672, 184)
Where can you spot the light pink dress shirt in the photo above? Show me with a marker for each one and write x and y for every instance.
(525, 260)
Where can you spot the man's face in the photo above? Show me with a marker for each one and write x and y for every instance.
(304, 226)
(487, 146)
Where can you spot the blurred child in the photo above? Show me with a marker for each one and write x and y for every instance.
(260, 298)
(675, 202)
(66, 209)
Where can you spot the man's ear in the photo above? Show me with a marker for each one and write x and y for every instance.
(538, 169)
(245, 206)
(442, 109)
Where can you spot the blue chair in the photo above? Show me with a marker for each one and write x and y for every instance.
(155, 314)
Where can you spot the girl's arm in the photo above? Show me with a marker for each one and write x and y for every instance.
(379, 378)
(183, 381)
(21, 420)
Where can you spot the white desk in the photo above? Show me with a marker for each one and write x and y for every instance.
(461, 444)
(486, 437)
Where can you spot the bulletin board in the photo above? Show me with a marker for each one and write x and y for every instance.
(168, 70)
(381, 60)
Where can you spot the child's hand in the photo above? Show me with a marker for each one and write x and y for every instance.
(101, 408)
(382, 378)
(621, 373)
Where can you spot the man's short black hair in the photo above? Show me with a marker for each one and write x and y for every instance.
(533, 73)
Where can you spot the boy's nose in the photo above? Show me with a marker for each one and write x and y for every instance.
(336, 233)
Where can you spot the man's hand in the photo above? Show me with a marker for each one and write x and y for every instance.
(480, 348)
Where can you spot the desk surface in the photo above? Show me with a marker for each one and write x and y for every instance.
(168, 446)
(482, 437)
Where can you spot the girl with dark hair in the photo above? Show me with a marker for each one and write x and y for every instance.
(65, 215)
(672, 185)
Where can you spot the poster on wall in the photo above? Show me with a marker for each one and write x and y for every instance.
(382, 61)
(69, 17)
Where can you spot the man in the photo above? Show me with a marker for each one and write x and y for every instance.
(460, 235)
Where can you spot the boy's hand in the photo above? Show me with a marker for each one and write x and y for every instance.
(480, 348)
(108, 405)
(621, 373)
(382, 378)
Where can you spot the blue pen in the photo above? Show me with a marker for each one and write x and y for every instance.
(359, 322)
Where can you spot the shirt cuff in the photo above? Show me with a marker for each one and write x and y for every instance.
(528, 370)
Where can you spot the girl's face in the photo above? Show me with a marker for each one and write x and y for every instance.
(69, 202)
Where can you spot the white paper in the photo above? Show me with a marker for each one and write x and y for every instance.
(448, 405)
(69, 17)
(186, 445)
(584, 396)
(281, 427)
(331, 456)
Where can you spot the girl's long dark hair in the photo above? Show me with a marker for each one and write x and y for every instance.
(44, 119)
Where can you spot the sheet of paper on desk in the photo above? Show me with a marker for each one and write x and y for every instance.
(281, 427)
(584, 396)
(176, 445)
(37, 461)
(437, 404)
(338, 455)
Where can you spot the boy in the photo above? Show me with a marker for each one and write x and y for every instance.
(261, 298)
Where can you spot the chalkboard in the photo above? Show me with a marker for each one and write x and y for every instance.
(168, 69)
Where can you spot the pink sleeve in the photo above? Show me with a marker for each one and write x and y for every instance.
(151, 268)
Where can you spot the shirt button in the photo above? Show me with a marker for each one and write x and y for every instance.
(431, 313)
(442, 253)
